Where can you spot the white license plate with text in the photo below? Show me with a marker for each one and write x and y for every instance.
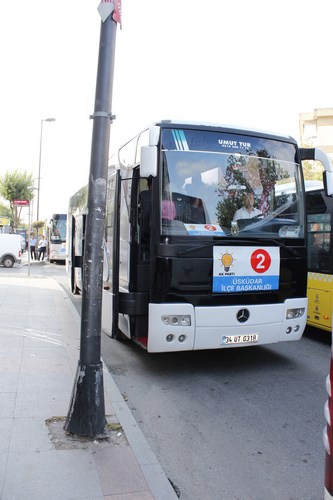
(240, 339)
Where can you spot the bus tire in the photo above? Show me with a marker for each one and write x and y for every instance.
(119, 335)
(75, 288)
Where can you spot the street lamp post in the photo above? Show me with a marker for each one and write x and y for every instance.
(40, 158)
(31, 189)
(29, 235)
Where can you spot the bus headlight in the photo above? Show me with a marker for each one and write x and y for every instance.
(177, 320)
(295, 313)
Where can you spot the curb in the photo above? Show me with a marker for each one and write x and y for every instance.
(156, 478)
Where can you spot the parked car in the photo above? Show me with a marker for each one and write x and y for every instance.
(10, 249)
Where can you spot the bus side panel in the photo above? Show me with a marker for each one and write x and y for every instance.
(107, 312)
(70, 256)
(320, 290)
(124, 237)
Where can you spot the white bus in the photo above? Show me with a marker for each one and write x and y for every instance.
(56, 238)
(179, 273)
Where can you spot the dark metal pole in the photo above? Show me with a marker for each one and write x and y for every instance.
(86, 415)
(39, 164)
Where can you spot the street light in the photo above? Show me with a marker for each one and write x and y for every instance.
(31, 189)
(40, 157)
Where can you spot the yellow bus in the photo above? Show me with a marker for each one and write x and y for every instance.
(320, 257)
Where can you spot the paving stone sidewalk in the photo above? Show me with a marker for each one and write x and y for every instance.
(39, 351)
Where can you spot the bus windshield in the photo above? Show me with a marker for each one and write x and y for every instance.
(58, 226)
(220, 184)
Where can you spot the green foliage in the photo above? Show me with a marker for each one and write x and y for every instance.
(5, 210)
(313, 171)
(38, 224)
(232, 193)
(15, 186)
(258, 173)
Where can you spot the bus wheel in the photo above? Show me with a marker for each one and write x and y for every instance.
(119, 335)
(75, 289)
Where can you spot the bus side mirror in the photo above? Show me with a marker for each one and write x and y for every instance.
(148, 165)
(154, 135)
(319, 155)
(328, 183)
(328, 170)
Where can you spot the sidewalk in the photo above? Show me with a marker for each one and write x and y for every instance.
(39, 349)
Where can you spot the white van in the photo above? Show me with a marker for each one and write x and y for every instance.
(10, 249)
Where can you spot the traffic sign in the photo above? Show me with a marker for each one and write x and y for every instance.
(21, 203)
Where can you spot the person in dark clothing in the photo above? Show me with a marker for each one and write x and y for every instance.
(33, 248)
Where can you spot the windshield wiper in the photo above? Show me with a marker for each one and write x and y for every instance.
(227, 241)
(206, 245)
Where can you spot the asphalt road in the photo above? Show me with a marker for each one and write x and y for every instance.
(241, 424)
(231, 424)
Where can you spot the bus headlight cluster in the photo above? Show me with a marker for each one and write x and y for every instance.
(295, 313)
(177, 320)
(290, 329)
(170, 337)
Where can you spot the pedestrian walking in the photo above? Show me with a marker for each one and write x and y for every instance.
(42, 248)
(33, 248)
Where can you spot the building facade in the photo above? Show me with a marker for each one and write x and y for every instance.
(316, 129)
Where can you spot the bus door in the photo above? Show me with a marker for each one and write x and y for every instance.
(140, 254)
(115, 257)
(129, 260)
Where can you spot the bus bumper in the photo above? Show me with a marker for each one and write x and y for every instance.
(183, 327)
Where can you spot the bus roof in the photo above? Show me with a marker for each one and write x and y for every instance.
(214, 127)
(224, 127)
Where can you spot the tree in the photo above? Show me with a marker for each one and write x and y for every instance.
(313, 170)
(15, 186)
(259, 174)
(5, 211)
(38, 224)
(231, 192)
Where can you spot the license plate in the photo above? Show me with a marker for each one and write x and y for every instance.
(240, 339)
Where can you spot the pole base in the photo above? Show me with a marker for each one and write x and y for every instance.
(86, 414)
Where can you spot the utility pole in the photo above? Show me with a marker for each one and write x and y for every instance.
(86, 415)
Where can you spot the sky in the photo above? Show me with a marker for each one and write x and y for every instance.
(257, 64)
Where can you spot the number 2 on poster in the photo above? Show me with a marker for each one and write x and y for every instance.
(260, 260)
